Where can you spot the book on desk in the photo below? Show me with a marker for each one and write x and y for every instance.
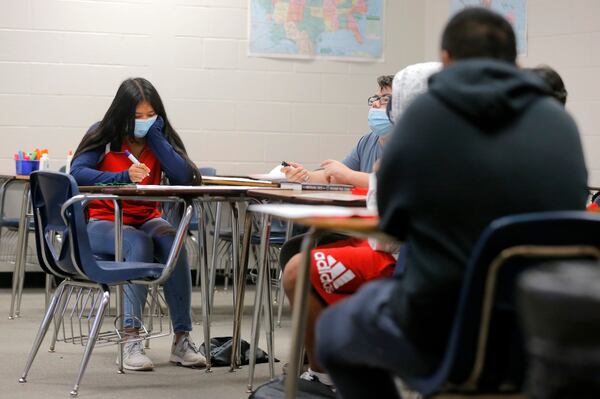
(236, 181)
(315, 186)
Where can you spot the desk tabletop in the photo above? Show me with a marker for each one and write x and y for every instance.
(310, 197)
(236, 181)
(359, 225)
(161, 191)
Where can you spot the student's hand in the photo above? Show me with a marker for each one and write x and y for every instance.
(137, 173)
(157, 126)
(336, 171)
(295, 172)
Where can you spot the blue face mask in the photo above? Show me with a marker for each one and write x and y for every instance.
(379, 122)
(142, 126)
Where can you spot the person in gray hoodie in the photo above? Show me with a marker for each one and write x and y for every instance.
(485, 141)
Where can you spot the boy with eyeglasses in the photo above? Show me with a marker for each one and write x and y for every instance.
(355, 168)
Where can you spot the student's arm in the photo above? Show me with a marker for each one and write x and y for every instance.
(337, 172)
(345, 171)
(175, 167)
(298, 173)
(83, 169)
(352, 160)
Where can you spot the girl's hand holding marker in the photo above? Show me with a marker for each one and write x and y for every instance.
(138, 171)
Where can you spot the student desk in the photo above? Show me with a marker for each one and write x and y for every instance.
(339, 198)
(310, 197)
(318, 226)
(196, 195)
(300, 311)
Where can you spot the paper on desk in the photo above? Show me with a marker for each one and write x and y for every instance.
(234, 179)
(291, 211)
(275, 175)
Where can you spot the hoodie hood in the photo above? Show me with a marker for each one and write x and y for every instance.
(489, 93)
(409, 84)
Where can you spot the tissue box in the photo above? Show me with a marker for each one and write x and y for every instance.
(25, 167)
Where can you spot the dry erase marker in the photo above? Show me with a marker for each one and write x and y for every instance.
(285, 163)
(133, 159)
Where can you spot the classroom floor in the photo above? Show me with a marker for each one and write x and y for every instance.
(53, 374)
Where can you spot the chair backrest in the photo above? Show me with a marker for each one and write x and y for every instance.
(49, 191)
(485, 349)
(12, 197)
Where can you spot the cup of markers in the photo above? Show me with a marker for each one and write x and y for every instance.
(27, 162)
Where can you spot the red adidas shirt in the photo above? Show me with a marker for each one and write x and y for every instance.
(134, 212)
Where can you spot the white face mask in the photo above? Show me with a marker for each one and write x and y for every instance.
(142, 126)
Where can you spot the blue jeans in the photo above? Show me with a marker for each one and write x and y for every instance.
(361, 346)
(148, 242)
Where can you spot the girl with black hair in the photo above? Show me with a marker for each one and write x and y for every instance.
(136, 121)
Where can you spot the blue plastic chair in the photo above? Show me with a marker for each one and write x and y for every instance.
(485, 349)
(58, 209)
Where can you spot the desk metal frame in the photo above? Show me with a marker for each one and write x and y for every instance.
(198, 197)
(18, 277)
(263, 276)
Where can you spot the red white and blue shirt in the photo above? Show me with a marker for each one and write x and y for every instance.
(111, 165)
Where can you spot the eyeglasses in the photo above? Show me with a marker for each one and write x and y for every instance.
(383, 100)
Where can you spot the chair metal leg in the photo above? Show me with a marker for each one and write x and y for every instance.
(48, 288)
(151, 310)
(205, 282)
(261, 280)
(43, 329)
(60, 314)
(92, 340)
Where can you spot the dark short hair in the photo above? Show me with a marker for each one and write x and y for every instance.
(553, 80)
(385, 81)
(477, 32)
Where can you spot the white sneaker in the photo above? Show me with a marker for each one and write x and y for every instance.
(134, 357)
(322, 378)
(186, 353)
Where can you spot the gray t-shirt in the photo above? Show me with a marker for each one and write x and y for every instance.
(363, 156)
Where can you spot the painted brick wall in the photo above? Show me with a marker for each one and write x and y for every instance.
(61, 62)
(564, 34)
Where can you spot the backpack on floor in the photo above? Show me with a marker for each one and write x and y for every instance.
(220, 352)
(306, 390)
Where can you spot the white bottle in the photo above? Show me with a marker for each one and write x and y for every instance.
(68, 163)
(44, 162)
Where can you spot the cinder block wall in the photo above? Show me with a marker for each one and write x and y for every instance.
(62, 61)
(564, 34)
